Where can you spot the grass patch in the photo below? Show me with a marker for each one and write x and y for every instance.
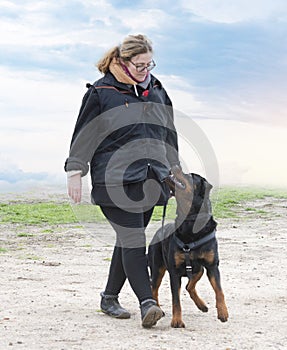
(23, 234)
(3, 250)
(47, 230)
(36, 213)
(226, 203)
(88, 213)
(170, 211)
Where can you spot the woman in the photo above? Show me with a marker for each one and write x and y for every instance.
(125, 133)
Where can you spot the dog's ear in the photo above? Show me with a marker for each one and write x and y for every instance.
(206, 187)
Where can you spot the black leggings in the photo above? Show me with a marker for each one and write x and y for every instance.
(129, 256)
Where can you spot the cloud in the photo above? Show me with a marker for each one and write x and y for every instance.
(146, 20)
(67, 36)
(248, 153)
(38, 113)
(232, 11)
(219, 60)
(44, 99)
(13, 179)
(58, 36)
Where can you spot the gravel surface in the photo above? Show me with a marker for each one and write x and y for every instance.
(51, 279)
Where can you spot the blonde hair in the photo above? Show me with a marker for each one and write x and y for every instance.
(131, 46)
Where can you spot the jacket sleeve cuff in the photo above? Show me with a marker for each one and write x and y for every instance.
(73, 163)
(73, 172)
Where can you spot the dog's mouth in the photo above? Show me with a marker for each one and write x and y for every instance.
(177, 183)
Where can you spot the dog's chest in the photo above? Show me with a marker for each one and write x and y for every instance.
(194, 256)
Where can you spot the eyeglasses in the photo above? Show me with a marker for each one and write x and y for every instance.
(141, 67)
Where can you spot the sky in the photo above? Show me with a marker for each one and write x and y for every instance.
(222, 62)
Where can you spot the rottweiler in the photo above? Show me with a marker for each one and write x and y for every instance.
(187, 246)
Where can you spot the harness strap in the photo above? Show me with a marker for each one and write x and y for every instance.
(187, 248)
(188, 266)
(196, 244)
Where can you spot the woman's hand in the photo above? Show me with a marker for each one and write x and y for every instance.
(75, 187)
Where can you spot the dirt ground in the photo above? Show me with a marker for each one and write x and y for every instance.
(50, 284)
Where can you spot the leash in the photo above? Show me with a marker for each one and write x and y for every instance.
(163, 217)
(162, 231)
(187, 248)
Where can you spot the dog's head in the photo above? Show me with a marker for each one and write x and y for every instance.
(190, 190)
(192, 193)
(199, 201)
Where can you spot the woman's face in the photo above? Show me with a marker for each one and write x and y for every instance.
(138, 65)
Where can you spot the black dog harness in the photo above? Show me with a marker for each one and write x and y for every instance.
(187, 248)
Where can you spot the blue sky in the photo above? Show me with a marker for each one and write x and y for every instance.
(223, 63)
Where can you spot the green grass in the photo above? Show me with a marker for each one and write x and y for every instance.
(23, 234)
(36, 213)
(226, 202)
(170, 211)
(31, 257)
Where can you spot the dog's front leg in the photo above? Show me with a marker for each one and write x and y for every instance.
(214, 278)
(175, 284)
(190, 287)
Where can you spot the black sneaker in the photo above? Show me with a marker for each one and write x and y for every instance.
(110, 305)
(150, 313)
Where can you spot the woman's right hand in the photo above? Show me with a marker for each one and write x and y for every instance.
(75, 187)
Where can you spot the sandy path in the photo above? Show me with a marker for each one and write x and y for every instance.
(50, 285)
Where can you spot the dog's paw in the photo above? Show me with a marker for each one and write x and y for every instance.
(176, 323)
(203, 308)
(223, 318)
(200, 304)
(222, 314)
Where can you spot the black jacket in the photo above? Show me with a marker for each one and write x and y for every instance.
(122, 135)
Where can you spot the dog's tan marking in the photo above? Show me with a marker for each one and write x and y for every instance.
(208, 256)
(222, 312)
(179, 258)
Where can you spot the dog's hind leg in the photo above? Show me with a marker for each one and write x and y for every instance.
(190, 287)
(214, 278)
